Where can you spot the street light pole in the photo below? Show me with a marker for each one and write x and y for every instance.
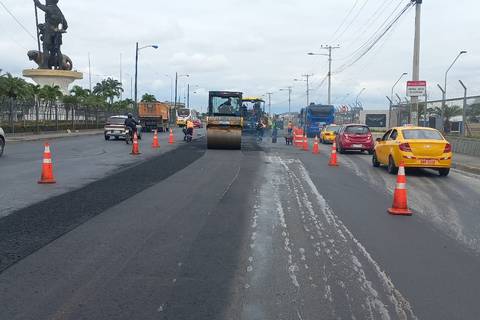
(329, 55)
(445, 83)
(391, 99)
(307, 77)
(137, 49)
(270, 103)
(289, 89)
(464, 110)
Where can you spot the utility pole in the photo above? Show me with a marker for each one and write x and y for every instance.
(416, 59)
(464, 110)
(270, 103)
(136, 76)
(176, 90)
(121, 77)
(89, 73)
(330, 48)
(307, 77)
(188, 96)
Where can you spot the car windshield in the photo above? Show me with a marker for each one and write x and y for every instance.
(357, 130)
(183, 112)
(333, 128)
(422, 134)
(116, 120)
(223, 105)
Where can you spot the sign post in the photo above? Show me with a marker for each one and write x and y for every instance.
(416, 89)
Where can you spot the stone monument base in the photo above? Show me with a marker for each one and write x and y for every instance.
(61, 78)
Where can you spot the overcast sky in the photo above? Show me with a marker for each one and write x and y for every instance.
(256, 46)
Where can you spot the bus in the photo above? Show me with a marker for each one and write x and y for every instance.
(183, 115)
(314, 117)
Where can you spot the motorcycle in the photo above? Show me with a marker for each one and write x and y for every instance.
(188, 135)
(128, 135)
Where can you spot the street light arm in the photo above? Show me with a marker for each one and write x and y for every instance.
(451, 66)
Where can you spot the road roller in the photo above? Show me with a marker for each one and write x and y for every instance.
(224, 122)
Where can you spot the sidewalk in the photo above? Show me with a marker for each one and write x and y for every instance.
(466, 163)
(51, 135)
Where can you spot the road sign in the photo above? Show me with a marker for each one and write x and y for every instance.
(416, 88)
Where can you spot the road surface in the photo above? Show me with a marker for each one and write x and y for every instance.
(269, 232)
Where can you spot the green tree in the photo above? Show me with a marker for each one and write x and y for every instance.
(448, 113)
(109, 89)
(148, 98)
(50, 95)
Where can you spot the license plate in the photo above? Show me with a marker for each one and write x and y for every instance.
(428, 161)
(357, 145)
(224, 123)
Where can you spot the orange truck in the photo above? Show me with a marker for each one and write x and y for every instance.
(154, 115)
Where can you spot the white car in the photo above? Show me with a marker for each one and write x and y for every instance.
(2, 141)
(115, 128)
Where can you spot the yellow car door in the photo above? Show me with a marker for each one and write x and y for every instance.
(381, 148)
(390, 147)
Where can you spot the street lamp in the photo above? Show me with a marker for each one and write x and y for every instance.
(289, 89)
(444, 91)
(137, 49)
(329, 72)
(307, 79)
(391, 98)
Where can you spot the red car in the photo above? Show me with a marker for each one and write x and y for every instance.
(197, 123)
(355, 137)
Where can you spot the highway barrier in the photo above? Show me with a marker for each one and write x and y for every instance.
(316, 150)
(171, 139)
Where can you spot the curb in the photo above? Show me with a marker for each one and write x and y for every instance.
(46, 137)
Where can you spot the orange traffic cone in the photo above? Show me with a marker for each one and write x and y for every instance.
(47, 167)
(171, 139)
(135, 148)
(155, 144)
(316, 150)
(305, 146)
(400, 206)
(333, 156)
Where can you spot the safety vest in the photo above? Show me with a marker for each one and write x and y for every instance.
(189, 124)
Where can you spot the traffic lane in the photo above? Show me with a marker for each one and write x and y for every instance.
(77, 161)
(438, 275)
(125, 262)
(450, 204)
(303, 261)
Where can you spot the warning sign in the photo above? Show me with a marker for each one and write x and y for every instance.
(416, 88)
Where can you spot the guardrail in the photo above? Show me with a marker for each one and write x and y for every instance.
(466, 146)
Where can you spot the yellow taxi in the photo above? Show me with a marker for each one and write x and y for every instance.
(417, 147)
(328, 133)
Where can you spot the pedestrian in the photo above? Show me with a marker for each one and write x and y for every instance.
(274, 132)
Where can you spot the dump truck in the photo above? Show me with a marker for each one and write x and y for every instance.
(154, 116)
(224, 121)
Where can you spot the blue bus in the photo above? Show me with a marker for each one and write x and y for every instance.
(315, 116)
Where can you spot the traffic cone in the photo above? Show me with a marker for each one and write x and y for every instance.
(135, 148)
(155, 144)
(400, 206)
(171, 139)
(47, 167)
(333, 156)
(305, 146)
(316, 150)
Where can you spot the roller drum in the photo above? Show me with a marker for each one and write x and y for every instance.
(224, 138)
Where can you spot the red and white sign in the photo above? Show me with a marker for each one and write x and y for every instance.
(416, 88)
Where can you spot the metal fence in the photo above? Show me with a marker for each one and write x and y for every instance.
(459, 116)
(18, 116)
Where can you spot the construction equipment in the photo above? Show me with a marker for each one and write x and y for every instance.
(224, 122)
(154, 115)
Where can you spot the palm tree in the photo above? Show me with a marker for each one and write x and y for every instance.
(34, 92)
(109, 89)
(13, 88)
(448, 113)
(148, 98)
(51, 94)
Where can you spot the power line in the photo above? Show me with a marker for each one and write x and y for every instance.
(18, 21)
(353, 20)
(345, 19)
(367, 46)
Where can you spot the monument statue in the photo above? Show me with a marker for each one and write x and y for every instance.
(50, 34)
(54, 67)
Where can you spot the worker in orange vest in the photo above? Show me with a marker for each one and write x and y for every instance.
(189, 131)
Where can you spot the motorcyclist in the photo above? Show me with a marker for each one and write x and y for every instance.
(190, 126)
(131, 124)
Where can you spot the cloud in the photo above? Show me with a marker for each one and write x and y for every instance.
(200, 63)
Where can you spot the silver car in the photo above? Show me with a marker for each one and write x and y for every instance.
(115, 128)
(2, 141)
